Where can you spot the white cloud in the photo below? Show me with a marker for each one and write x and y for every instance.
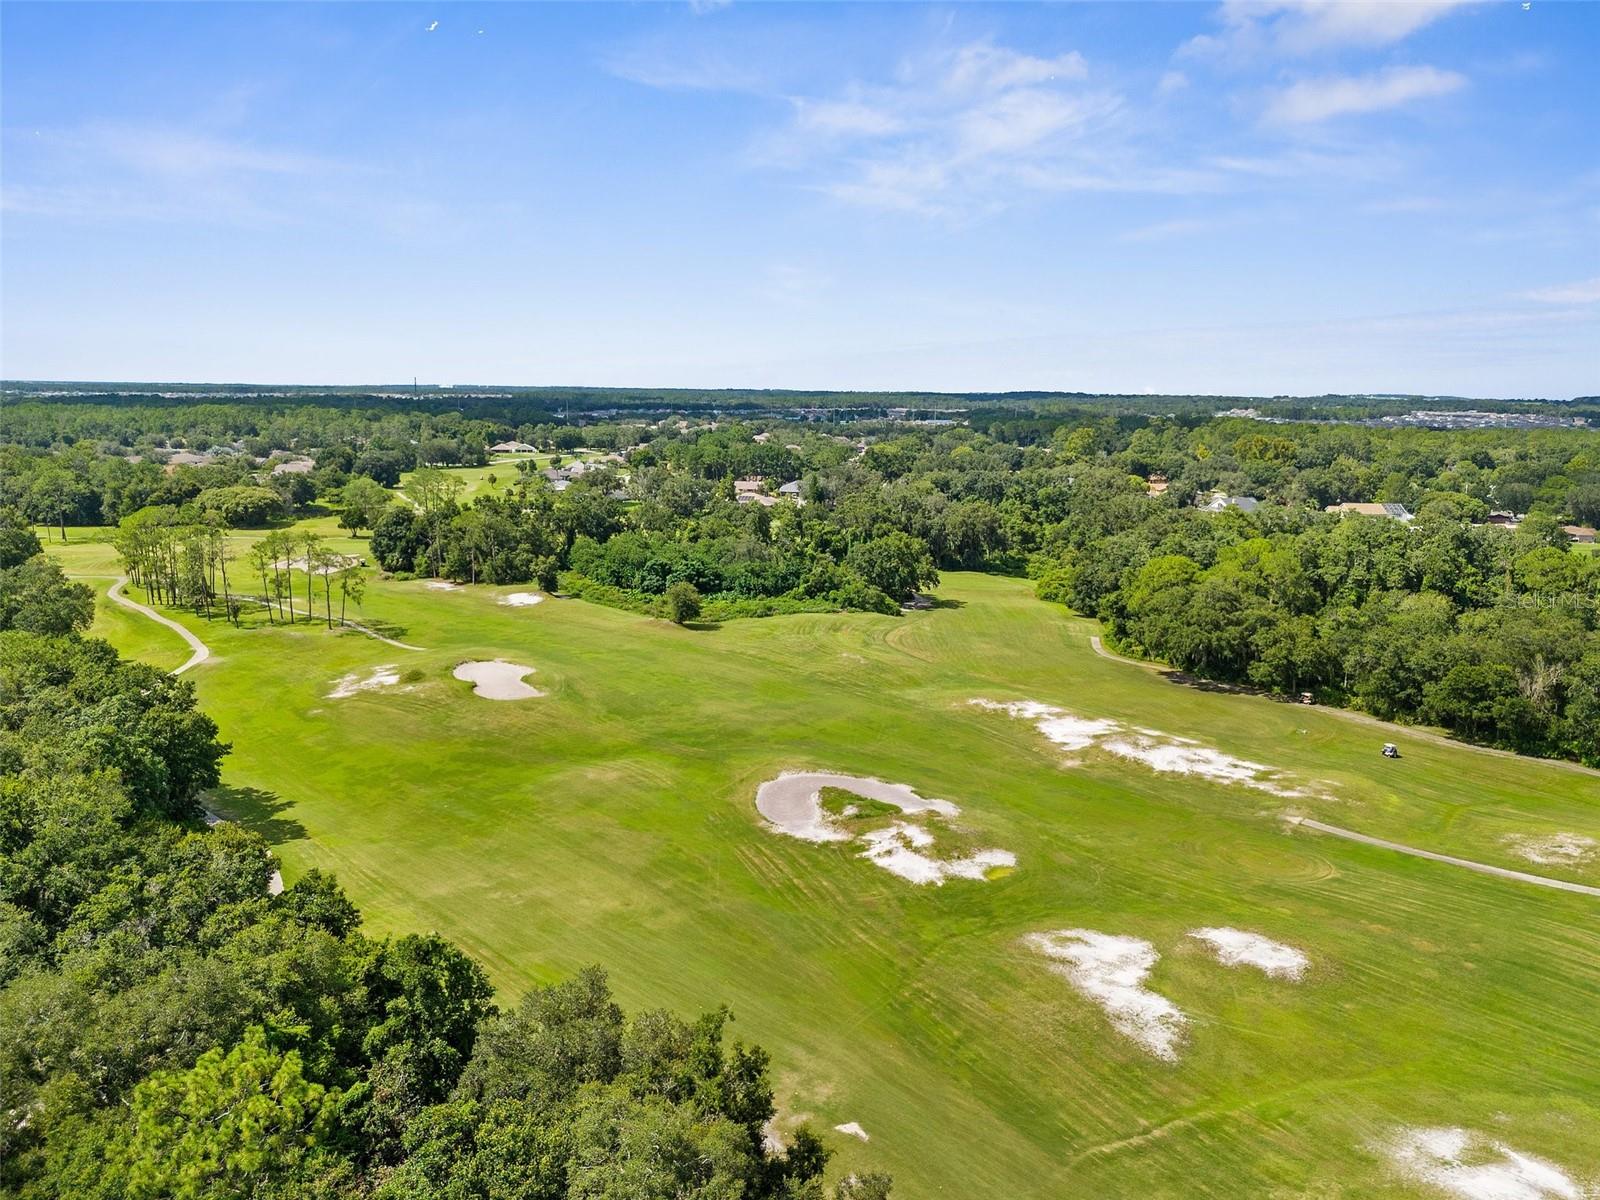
(983, 66)
(845, 118)
(1251, 28)
(1170, 82)
(1311, 100)
(1585, 291)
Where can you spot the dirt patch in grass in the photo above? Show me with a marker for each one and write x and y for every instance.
(1111, 971)
(1163, 752)
(1473, 1166)
(1240, 948)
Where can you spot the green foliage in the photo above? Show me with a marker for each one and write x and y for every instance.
(681, 602)
(36, 596)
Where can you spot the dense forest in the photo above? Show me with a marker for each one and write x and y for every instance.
(1471, 607)
(173, 1026)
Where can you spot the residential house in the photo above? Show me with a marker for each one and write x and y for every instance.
(1221, 500)
(1395, 512)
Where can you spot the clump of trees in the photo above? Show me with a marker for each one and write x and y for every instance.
(170, 1028)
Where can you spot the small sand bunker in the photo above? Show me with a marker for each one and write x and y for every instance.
(521, 600)
(379, 677)
(853, 1128)
(898, 850)
(1553, 850)
(792, 804)
(1476, 1167)
(497, 680)
(441, 585)
(1111, 971)
(1159, 751)
(1240, 948)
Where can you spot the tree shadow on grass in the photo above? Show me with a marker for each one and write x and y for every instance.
(945, 602)
(702, 626)
(258, 810)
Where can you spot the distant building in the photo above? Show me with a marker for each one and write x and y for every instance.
(748, 487)
(792, 488)
(1583, 534)
(294, 466)
(1395, 512)
(1221, 500)
(511, 448)
(1156, 485)
(1509, 520)
(188, 458)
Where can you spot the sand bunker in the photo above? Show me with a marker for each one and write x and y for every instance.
(1238, 948)
(853, 1128)
(1476, 1167)
(380, 677)
(792, 804)
(521, 599)
(1159, 751)
(1111, 971)
(441, 585)
(497, 680)
(1553, 850)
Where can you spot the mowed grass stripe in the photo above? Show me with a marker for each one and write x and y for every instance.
(613, 821)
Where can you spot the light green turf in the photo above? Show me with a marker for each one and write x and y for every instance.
(612, 820)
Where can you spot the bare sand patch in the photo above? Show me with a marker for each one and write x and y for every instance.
(441, 585)
(898, 850)
(379, 677)
(1111, 971)
(497, 679)
(1159, 751)
(792, 804)
(1552, 850)
(334, 564)
(1240, 948)
(853, 1128)
(521, 600)
(1476, 1167)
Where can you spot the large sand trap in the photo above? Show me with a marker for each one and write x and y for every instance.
(1553, 850)
(380, 677)
(1159, 751)
(497, 680)
(1476, 1167)
(792, 804)
(853, 1128)
(1111, 971)
(521, 599)
(441, 585)
(1239, 948)
(898, 850)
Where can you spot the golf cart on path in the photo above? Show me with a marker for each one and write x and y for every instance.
(1390, 750)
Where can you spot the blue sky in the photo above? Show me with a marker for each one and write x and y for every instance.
(1246, 198)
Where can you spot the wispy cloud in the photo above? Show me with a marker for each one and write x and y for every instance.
(1312, 100)
(1585, 291)
(1162, 231)
(1252, 28)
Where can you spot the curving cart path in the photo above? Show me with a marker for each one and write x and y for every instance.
(200, 651)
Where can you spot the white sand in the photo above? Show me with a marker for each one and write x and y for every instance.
(792, 804)
(521, 599)
(898, 850)
(275, 884)
(1476, 1167)
(1159, 751)
(1111, 971)
(853, 1128)
(1239, 948)
(497, 680)
(1553, 850)
(441, 585)
(380, 677)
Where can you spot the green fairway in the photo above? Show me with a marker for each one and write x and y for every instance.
(612, 820)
